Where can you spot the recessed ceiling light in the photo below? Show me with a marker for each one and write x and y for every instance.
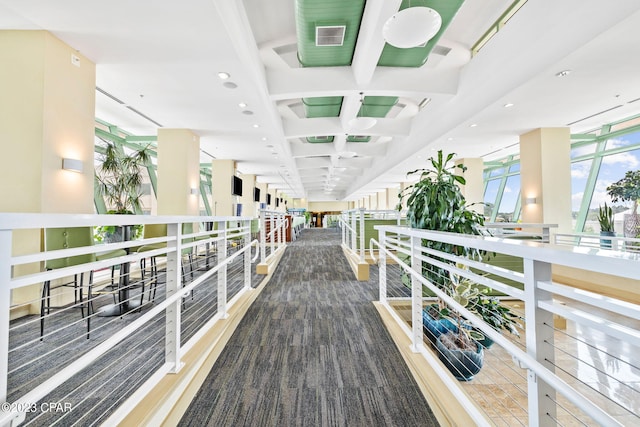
(264, 138)
(473, 125)
(448, 139)
(563, 73)
(230, 85)
(223, 75)
(242, 105)
(508, 105)
(248, 112)
(256, 125)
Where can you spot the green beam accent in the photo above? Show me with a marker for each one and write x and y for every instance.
(98, 200)
(417, 56)
(358, 138)
(205, 199)
(151, 170)
(583, 137)
(503, 184)
(497, 26)
(148, 138)
(319, 139)
(589, 188)
(109, 136)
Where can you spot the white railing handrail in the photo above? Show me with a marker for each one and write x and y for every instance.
(602, 261)
(518, 225)
(16, 221)
(531, 363)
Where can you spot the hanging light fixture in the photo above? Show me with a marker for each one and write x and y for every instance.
(360, 122)
(411, 27)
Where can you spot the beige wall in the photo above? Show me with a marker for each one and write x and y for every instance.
(222, 200)
(178, 172)
(545, 172)
(47, 113)
(473, 190)
(249, 207)
(328, 206)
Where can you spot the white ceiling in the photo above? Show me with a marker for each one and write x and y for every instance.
(162, 58)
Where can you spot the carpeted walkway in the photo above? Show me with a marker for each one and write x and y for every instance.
(311, 350)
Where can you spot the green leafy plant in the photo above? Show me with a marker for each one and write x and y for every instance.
(605, 218)
(627, 189)
(435, 202)
(120, 178)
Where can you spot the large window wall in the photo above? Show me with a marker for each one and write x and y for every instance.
(598, 159)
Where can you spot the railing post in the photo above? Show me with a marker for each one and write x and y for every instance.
(416, 297)
(282, 229)
(263, 236)
(174, 282)
(382, 255)
(353, 231)
(539, 337)
(222, 273)
(5, 309)
(361, 235)
(247, 254)
(272, 232)
(343, 229)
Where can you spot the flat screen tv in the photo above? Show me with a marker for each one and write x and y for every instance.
(256, 194)
(268, 199)
(277, 202)
(236, 186)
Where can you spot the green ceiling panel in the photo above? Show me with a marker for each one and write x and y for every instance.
(313, 13)
(320, 139)
(417, 56)
(358, 138)
(377, 106)
(326, 106)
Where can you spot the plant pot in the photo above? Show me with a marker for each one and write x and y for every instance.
(463, 364)
(606, 244)
(631, 225)
(433, 328)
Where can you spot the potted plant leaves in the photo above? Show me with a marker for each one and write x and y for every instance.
(605, 218)
(627, 189)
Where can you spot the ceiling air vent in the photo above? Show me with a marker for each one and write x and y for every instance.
(330, 35)
(441, 50)
(322, 138)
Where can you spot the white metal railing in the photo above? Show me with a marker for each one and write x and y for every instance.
(168, 311)
(353, 225)
(520, 230)
(273, 231)
(584, 373)
(615, 243)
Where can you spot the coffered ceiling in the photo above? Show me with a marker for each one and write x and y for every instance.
(286, 111)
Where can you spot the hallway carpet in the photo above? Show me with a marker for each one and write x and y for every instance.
(311, 351)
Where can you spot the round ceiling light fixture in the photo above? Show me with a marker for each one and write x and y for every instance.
(411, 27)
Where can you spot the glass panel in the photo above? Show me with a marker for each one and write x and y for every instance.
(624, 141)
(579, 175)
(490, 195)
(509, 198)
(613, 169)
(515, 167)
(583, 150)
(497, 172)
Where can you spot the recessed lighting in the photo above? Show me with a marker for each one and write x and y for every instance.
(508, 105)
(448, 139)
(230, 85)
(256, 125)
(563, 73)
(223, 75)
(248, 112)
(473, 125)
(242, 105)
(264, 138)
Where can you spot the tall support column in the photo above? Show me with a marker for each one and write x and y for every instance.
(392, 197)
(382, 200)
(178, 172)
(248, 204)
(47, 113)
(222, 172)
(473, 190)
(545, 171)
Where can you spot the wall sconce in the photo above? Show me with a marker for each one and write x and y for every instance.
(530, 201)
(73, 165)
(194, 191)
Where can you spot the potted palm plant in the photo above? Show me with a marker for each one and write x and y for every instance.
(119, 180)
(605, 218)
(627, 189)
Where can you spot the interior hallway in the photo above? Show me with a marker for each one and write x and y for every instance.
(311, 350)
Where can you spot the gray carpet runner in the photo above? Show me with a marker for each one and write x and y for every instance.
(311, 351)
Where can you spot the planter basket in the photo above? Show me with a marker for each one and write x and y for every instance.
(463, 364)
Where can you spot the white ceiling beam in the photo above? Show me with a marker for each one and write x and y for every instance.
(370, 40)
(301, 128)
